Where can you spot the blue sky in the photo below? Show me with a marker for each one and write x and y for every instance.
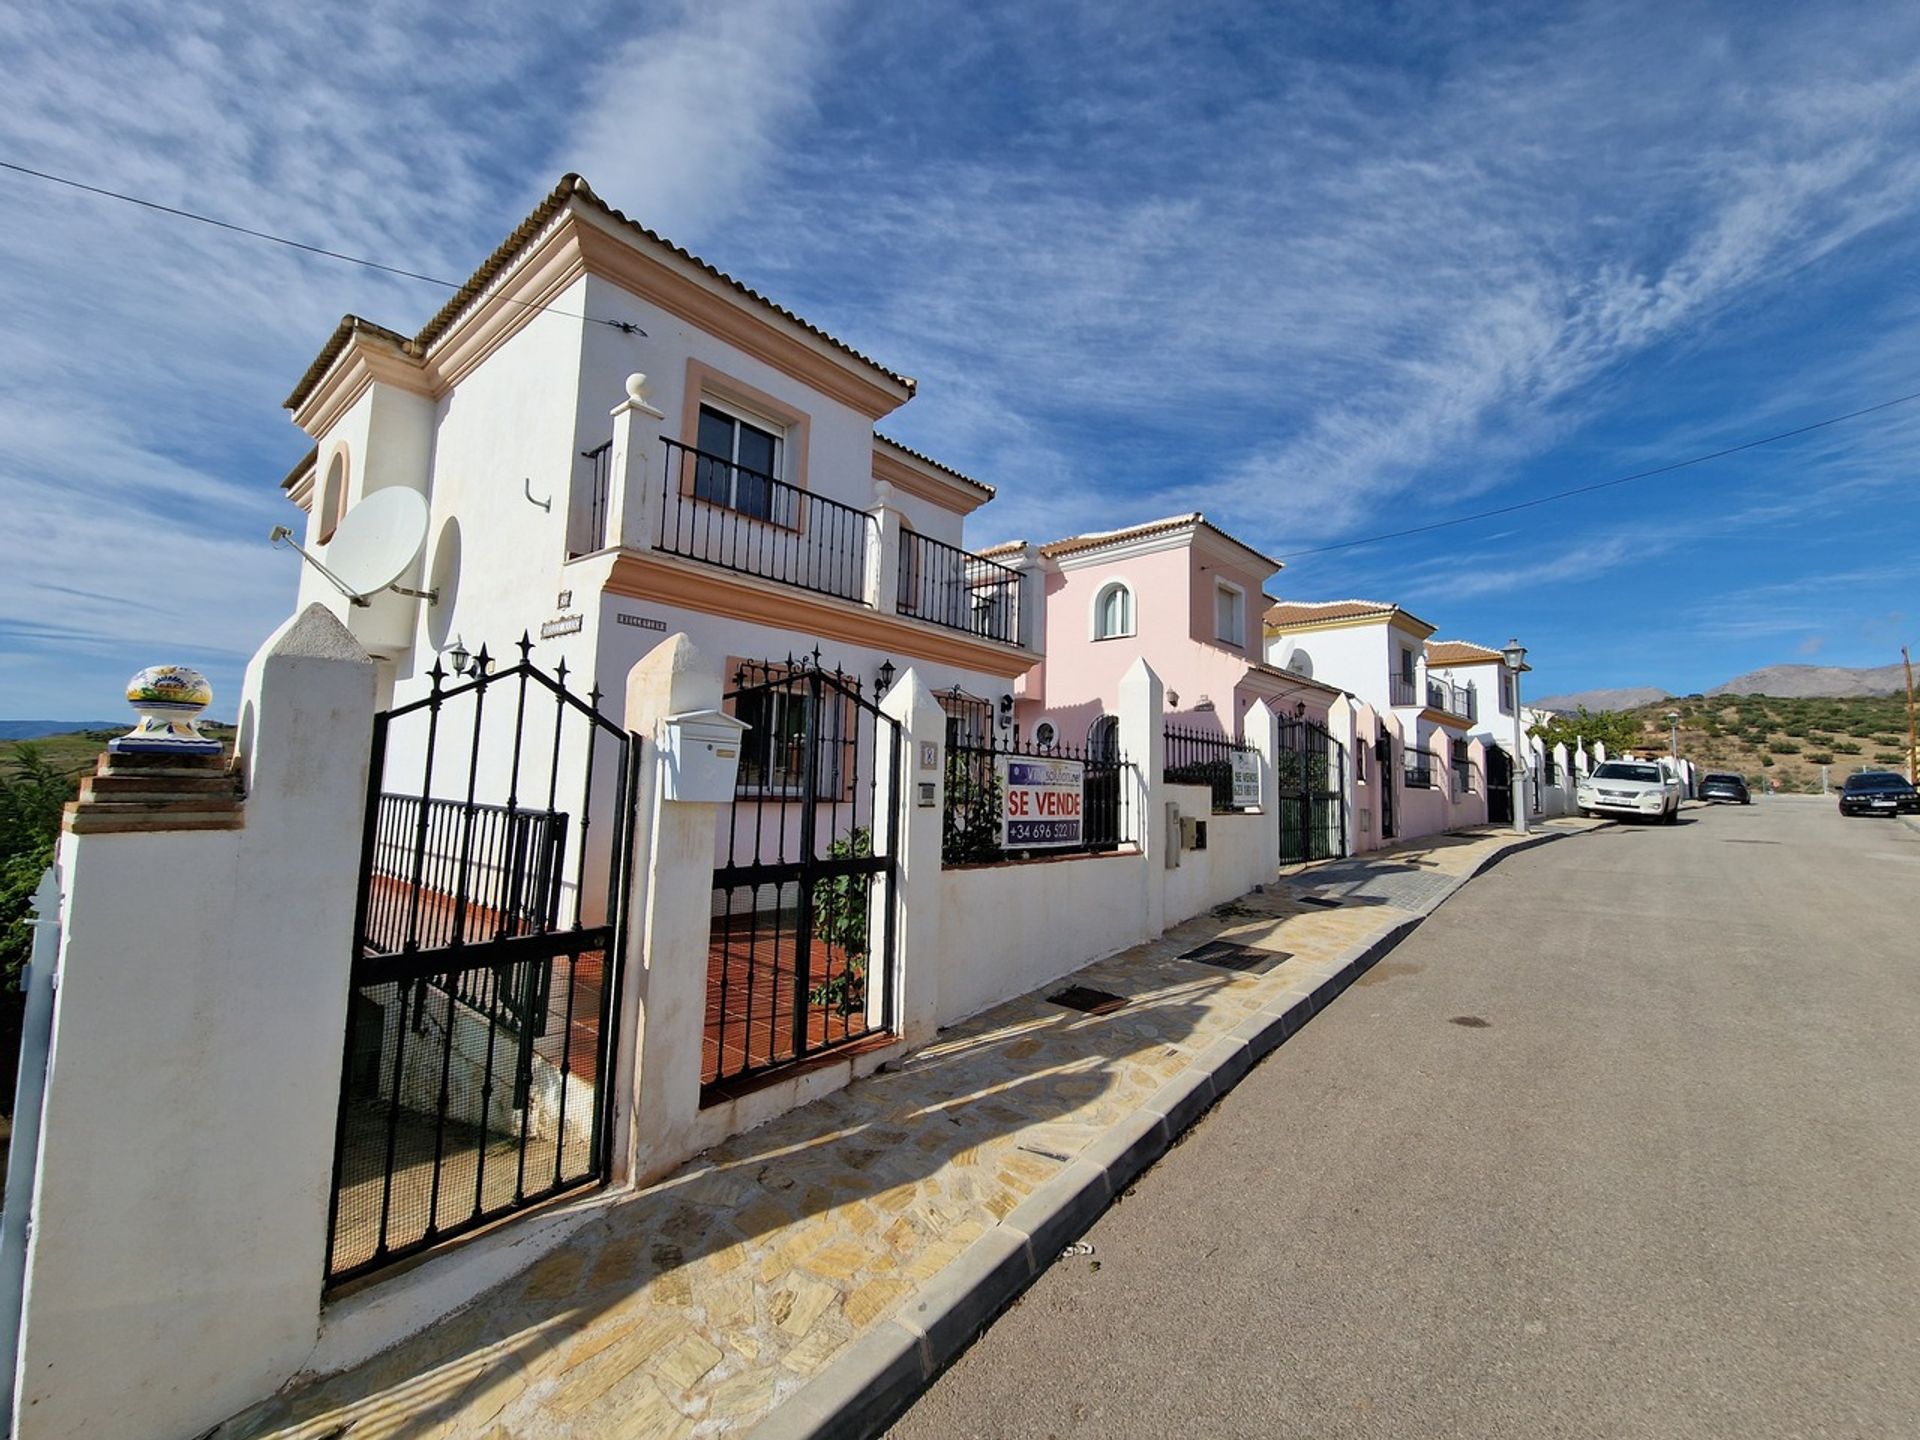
(1321, 270)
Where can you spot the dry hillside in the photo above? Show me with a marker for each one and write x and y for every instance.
(1785, 739)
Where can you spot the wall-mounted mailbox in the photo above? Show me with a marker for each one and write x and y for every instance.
(700, 755)
(1193, 833)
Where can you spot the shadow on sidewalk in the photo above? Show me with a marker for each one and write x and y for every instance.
(728, 1249)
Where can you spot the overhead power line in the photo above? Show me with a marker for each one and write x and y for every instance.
(1568, 494)
(627, 327)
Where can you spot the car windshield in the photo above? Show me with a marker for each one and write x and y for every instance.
(1884, 781)
(1614, 770)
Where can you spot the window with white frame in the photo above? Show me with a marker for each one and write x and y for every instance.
(1506, 693)
(739, 465)
(1406, 663)
(1229, 614)
(1113, 611)
(773, 751)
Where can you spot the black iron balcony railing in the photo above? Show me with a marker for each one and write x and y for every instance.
(1444, 695)
(948, 586)
(724, 514)
(1399, 689)
(587, 519)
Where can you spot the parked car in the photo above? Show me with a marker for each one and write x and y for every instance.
(1631, 787)
(1878, 792)
(1730, 788)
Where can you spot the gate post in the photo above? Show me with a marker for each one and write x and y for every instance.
(1261, 730)
(1142, 707)
(179, 1216)
(664, 985)
(916, 864)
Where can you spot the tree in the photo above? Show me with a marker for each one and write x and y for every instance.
(1619, 730)
(32, 794)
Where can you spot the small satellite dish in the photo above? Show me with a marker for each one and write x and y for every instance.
(377, 540)
(372, 546)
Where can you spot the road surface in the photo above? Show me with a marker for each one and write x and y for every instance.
(1621, 1142)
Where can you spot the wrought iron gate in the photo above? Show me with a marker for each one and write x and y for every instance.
(802, 942)
(1311, 770)
(487, 938)
(1499, 786)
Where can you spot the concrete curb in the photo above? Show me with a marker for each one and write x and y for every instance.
(885, 1370)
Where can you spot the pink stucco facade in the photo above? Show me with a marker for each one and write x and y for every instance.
(1174, 574)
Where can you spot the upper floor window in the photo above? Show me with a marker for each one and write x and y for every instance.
(1506, 693)
(1113, 611)
(1406, 663)
(1229, 614)
(739, 466)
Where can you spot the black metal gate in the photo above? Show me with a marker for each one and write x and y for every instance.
(1311, 768)
(487, 939)
(1499, 786)
(801, 956)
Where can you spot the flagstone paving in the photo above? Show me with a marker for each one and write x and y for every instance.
(697, 1306)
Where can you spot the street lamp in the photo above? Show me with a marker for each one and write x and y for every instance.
(1515, 658)
(1673, 735)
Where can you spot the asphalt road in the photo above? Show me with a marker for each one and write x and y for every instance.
(1670, 1186)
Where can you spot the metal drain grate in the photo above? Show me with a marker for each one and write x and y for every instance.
(1319, 900)
(1228, 955)
(1085, 997)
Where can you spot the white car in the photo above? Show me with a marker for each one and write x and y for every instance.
(1631, 787)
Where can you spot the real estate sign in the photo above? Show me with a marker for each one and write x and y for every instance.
(1246, 780)
(1040, 802)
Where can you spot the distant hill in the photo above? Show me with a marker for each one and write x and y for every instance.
(34, 729)
(1789, 682)
(1630, 698)
(1797, 681)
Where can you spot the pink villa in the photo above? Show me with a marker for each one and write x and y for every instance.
(1180, 592)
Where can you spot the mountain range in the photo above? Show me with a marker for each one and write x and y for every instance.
(1786, 681)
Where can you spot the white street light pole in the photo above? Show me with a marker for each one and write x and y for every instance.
(1515, 657)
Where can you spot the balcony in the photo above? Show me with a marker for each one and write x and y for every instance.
(707, 508)
(1400, 689)
(949, 586)
(1451, 699)
(724, 514)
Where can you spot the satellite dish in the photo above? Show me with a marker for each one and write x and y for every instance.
(377, 540)
(373, 545)
(1301, 663)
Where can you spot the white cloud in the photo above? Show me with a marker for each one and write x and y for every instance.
(680, 123)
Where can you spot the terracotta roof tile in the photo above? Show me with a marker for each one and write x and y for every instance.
(946, 470)
(1283, 613)
(1459, 652)
(1099, 539)
(571, 187)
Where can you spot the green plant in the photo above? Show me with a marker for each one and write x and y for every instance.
(1819, 757)
(1766, 761)
(840, 909)
(1846, 747)
(970, 824)
(32, 795)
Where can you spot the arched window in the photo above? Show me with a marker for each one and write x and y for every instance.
(333, 496)
(1103, 738)
(1113, 611)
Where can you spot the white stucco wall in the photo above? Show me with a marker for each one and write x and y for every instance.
(180, 1208)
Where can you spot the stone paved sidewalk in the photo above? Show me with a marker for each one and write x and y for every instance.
(839, 1239)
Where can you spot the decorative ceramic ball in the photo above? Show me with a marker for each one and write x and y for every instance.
(169, 700)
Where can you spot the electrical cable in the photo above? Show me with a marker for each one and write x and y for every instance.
(624, 326)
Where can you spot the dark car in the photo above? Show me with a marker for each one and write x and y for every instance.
(1730, 788)
(1878, 792)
